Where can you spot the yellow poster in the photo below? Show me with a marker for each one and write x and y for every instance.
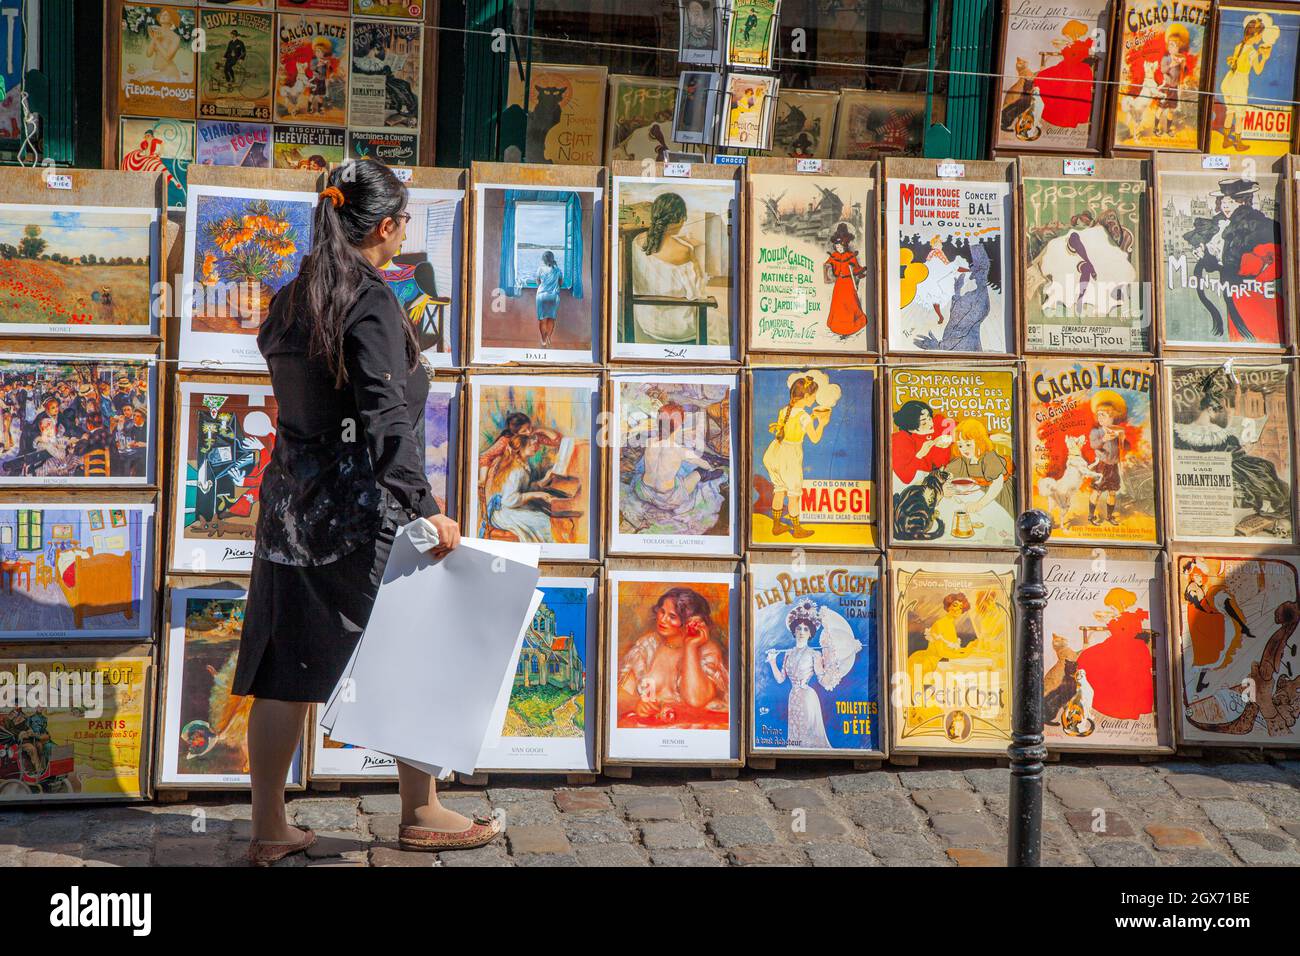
(565, 122)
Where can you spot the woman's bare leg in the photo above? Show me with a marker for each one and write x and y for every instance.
(274, 730)
(420, 806)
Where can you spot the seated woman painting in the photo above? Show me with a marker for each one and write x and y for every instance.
(512, 505)
(664, 263)
(673, 489)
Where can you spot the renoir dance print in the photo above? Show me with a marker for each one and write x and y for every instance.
(1255, 80)
(1163, 44)
(815, 660)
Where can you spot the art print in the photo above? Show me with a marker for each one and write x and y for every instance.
(441, 441)
(803, 126)
(313, 148)
(640, 124)
(749, 100)
(389, 148)
(163, 146)
(1162, 61)
(426, 275)
(700, 101)
(230, 143)
(156, 61)
(1254, 81)
(699, 26)
(751, 39)
(235, 65)
(871, 124)
(334, 760)
(311, 80)
(385, 75)
(396, 9)
(558, 119)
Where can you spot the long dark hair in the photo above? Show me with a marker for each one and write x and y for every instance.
(331, 274)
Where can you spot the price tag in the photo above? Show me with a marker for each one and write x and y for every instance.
(1079, 167)
(1214, 162)
(402, 173)
(678, 170)
(58, 181)
(808, 165)
(952, 171)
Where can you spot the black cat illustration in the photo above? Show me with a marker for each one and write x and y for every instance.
(542, 119)
(914, 507)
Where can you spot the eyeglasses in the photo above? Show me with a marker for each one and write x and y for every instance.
(403, 217)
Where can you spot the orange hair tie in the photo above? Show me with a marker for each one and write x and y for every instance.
(333, 194)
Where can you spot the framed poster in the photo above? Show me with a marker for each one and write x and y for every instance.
(1105, 653)
(673, 294)
(311, 80)
(311, 148)
(751, 37)
(952, 457)
(804, 124)
(1092, 441)
(390, 148)
(442, 443)
(156, 61)
(396, 9)
(231, 143)
(872, 124)
(1047, 98)
(1231, 428)
(242, 245)
(385, 75)
(700, 101)
(160, 145)
(672, 464)
(85, 419)
(75, 727)
(1255, 84)
(952, 641)
(330, 6)
(224, 438)
(559, 120)
(235, 65)
(750, 102)
(56, 274)
(1086, 257)
(665, 704)
(538, 276)
(1220, 256)
(699, 31)
(639, 125)
(812, 257)
(550, 723)
(815, 659)
(1237, 647)
(949, 258)
(531, 462)
(71, 575)
(812, 458)
(1161, 69)
(334, 760)
(203, 742)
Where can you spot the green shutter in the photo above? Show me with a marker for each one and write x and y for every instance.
(971, 27)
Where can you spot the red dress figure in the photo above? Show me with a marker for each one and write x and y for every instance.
(842, 267)
(1067, 87)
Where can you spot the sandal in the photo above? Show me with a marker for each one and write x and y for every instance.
(266, 852)
(482, 830)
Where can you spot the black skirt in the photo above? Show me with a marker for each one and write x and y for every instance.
(301, 624)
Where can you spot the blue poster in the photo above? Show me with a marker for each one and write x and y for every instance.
(1254, 81)
(12, 41)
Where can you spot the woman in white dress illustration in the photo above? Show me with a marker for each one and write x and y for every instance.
(828, 663)
(939, 286)
(664, 264)
(510, 503)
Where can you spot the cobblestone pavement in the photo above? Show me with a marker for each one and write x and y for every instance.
(1229, 810)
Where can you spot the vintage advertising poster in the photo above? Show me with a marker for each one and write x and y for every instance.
(1086, 273)
(13, 67)
(311, 80)
(1105, 657)
(1219, 256)
(674, 688)
(562, 118)
(812, 457)
(804, 124)
(235, 65)
(700, 100)
(77, 570)
(1051, 60)
(385, 75)
(204, 735)
(815, 659)
(751, 39)
(953, 632)
(640, 122)
(948, 254)
(1161, 65)
(391, 148)
(230, 143)
(537, 272)
(84, 419)
(1092, 439)
(241, 247)
(1237, 651)
(74, 728)
(224, 439)
(749, 100)
(673, 457)
(156, 61)
(1231, 429)
(158, 146)
(307, 147)
(699, 26)
(426, 274)
(532, 462)
(1255, 85)
(394, 9)
(56, 274)
(328, 6)
(550, 721)
(812, 263)
(872, 124)
(952, 457)
(441, 443)
(334, 760)
(673, 262)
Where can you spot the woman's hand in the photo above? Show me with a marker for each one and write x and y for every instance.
(697, 632)
(448, 532)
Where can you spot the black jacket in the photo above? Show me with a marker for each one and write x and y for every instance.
(342, 456)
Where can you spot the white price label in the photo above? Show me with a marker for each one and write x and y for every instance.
(952, 170)
(1079, 167)
(678, 170)
(58, 181)
(1214, 162)
(402, 173)
(808, 165)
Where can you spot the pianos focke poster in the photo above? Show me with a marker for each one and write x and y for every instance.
(1163, 47)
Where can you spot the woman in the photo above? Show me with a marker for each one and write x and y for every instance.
(980, 462)
(783, 459)
(842, 267)
(674, 490)
(1248, 56)
(549, 278)
(346, 472)
(676, 674)
(805, 726)
(510, 502)
(922, 442)
(663, 264)
(1067, 85)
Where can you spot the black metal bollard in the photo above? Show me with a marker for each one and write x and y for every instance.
(1027, 752)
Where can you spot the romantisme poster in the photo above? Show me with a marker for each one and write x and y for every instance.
(872, 124)
(949, 262)
(815, 659)
(1163, 45)
(952, 651)
(812, 263)
(1237, 650)
(748, 102)
(389, 147)
(307, 147)
(1231, 452)
(751, 37)
(812, 457)
(158, 146)
(426, 275)
(230, 143)
(1086, 276)
(640, 121)
(1254, 86)
(565, 121)
(1051, 61)
(236, 65)
(1092, 440)
(952, 457)
(1105, 654)
(385, 75)
(803, 125)
(1219, 256)
(311, 80)
(156, 61)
